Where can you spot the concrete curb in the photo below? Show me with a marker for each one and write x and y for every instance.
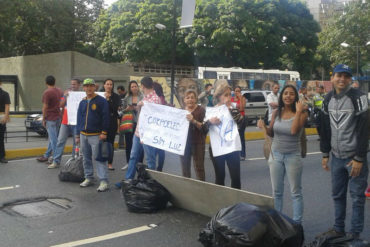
(33, 152)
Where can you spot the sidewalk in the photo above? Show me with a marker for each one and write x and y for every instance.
(17, 147)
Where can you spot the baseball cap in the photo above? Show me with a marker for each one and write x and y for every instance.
(342, 68)
(88, 81)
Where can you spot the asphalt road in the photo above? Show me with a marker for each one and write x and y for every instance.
(94, 214)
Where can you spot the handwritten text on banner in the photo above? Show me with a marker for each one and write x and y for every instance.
(224, 136)
(164, 127)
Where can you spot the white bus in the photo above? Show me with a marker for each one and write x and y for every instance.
(246, 74)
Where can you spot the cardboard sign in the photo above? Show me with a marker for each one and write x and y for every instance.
(164, 127)
(73, 101)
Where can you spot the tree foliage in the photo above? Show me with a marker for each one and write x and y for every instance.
(245, 33)
(41, 26)
(351, 27)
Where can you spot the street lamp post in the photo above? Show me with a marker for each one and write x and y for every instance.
(173, 49)
(344, 44)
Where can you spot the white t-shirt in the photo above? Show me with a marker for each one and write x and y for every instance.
(272, 98)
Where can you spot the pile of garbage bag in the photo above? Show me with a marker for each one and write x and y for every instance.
(144, 194)
(244, 224)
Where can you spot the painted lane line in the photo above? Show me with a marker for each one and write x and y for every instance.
(10, 187)
(107, 236)
(262, 158)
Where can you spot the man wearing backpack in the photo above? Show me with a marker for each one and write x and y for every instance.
(344, 134)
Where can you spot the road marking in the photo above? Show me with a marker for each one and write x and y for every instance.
(10, 187)
(107, 236)
(262, 158)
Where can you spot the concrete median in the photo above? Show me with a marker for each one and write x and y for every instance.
(203, 197)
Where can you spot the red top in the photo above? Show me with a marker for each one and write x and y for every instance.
(51, 97)
(237, 105)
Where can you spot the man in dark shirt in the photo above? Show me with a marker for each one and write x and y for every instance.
(4, 118)
(51, 114)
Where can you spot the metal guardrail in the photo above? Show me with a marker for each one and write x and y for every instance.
(27, 135)
(24, 112)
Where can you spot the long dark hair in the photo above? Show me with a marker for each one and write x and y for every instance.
(108, 79)
(129, 86)
(281, 103)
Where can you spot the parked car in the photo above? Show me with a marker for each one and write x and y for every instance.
(256, 104)
(33, 123)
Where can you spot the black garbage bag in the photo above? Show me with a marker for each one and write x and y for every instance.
(144, 194)
(323, 240)
(72, 170)
(244, 224)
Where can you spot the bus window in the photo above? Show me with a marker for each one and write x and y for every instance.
(210, 75)
(236, 75)
(285, 77)
(248, 75)
(274, 77)
(221, 75)
(261, 76)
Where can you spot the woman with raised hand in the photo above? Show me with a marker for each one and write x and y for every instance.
(195, 144)
(286, 125)
(114, 101)
(222, 96)
(129, 104)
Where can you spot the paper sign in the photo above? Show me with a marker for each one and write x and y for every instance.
(224, 136)
(73, 101)
(164, 127)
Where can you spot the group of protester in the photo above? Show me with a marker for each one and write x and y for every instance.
(343, 130)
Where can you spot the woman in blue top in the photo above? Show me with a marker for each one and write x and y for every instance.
(286, 126)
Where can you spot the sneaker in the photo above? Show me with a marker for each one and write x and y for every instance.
(103, 186)
(42, 159)
(87, 182)
(124, 167)
(50, 161)
(3, 160)
(53, 166)
(332, 233)
(353, 235)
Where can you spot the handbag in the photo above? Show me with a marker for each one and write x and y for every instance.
(127, 122)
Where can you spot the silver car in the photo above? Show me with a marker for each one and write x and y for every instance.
(256, 104)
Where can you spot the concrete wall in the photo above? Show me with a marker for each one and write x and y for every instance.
(32, 70)
(206, 198)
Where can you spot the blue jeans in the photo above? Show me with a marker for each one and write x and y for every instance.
(136, 153)
(64, 132)
(233, 163)
(90, 149)
(52, 128)
(161, 157)
(150, 154)
(291, 165)
(340, 179)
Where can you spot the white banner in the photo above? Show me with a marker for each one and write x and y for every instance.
(73, 100)
(187, 13)
(224, 136)
(164, 127)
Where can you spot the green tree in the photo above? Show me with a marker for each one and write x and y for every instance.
(351, 27)
(41, 26)
(245, 33)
